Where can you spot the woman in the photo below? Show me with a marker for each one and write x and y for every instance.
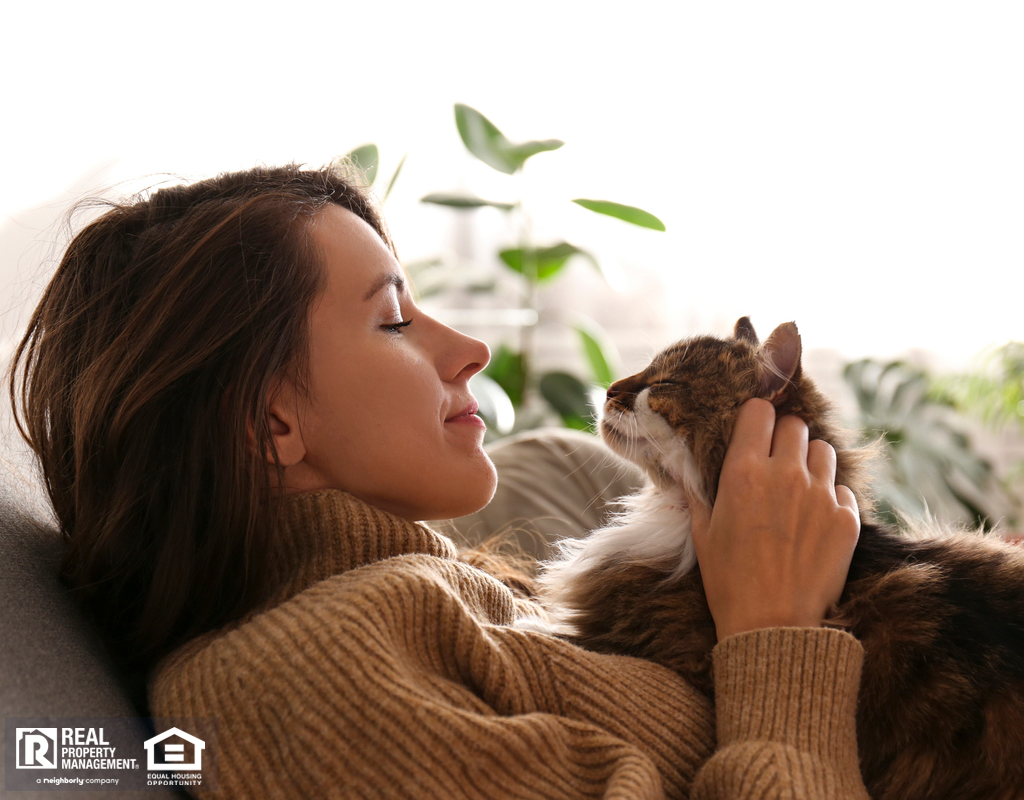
(242, 417)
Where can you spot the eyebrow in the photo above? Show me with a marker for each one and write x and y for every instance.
(391, 279)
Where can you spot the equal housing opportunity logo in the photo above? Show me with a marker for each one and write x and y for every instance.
(173, 756)
(113, 752)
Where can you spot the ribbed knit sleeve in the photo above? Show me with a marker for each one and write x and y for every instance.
(785, 708)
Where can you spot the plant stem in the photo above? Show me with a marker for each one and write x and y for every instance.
(526, 338)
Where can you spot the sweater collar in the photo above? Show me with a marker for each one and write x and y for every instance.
(329, 531)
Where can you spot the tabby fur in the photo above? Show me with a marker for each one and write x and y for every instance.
(941, 617)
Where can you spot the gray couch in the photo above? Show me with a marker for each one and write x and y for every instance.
(53, 663)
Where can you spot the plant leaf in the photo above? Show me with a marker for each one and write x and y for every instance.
(366, 157)
(570, 397)
(458, 200)
(632, 214)
(930, 461)
(394, 177)
(518, 153)
(495, 405)
(508, 369)
(483, 139)
(595, 356)
(549, 261)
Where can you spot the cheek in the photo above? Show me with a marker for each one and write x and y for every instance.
(397, 396)
(647, 409)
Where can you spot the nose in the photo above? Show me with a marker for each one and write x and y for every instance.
(464, 357)
(615, 391)
(623, 393)
(479, 357)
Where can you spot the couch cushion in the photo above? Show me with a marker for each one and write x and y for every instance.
(553, 483)
(52, 663)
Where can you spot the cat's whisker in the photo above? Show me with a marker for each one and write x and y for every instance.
(626, 436)
(607, 459)
(620, 461)
(650, 437)
(621, 471)
(580, 466)
(634, 438)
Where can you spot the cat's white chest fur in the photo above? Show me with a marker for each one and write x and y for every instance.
(652, 528)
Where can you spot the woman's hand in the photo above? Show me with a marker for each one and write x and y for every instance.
(777, 547)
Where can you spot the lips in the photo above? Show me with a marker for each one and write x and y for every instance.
(468, 411)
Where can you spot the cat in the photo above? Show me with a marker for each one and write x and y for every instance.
(941, 618)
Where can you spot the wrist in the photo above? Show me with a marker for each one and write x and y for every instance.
(747, 622)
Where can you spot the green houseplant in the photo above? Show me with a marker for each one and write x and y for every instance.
(929, 463)
(530, 265)
(994, 392)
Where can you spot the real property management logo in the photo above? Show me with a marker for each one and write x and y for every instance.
(37, 748)
(68, 748)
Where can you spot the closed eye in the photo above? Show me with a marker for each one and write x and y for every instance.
(396, 327)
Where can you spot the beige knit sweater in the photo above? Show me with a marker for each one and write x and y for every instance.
(387, 668)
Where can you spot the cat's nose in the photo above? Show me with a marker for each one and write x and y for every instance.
(621, 394)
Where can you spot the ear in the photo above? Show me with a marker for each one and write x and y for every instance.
(778, 361)
(745, 330)
(283, 417)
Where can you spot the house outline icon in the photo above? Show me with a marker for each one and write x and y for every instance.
(198, 744)
(27, 736)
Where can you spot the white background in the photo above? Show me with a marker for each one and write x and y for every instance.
(856, 167)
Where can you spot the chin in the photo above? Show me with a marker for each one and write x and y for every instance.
(453, 493)
(471, 492)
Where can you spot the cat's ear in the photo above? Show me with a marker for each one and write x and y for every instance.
(778, 361)
(745, 330)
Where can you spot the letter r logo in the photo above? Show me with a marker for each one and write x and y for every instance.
(37, 748)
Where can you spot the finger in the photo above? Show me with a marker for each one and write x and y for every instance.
(846, 498)
(789, 440)
(821, 463)
(752, 433)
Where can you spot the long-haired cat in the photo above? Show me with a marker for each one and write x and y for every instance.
(941, 705)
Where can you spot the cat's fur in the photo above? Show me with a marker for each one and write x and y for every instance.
(941, 619)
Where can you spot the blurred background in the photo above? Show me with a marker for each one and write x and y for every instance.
(856, 168)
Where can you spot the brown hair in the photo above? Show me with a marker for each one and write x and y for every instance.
(143, 382)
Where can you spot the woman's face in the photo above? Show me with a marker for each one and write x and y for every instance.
(389, 417)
